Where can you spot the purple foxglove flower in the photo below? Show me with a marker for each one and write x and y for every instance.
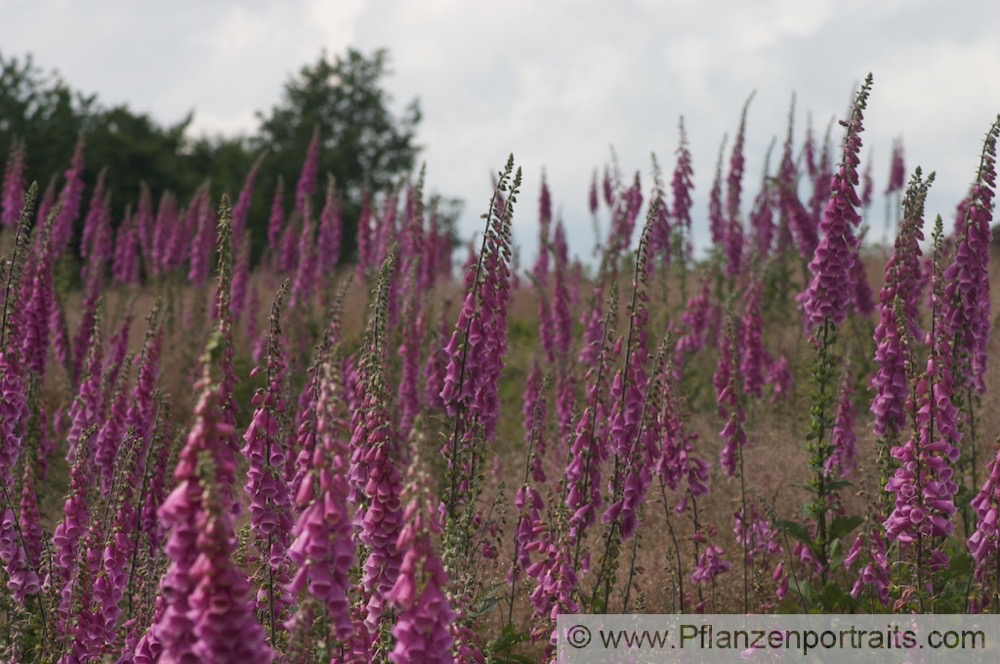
(540, 274)
(202, 244)
(305, 269)
(308, 177)
(561, 301)
(145, 222)
(288, 247)
(828, 294)
(479, 343)
(221, 619)
(842, 462)
(365, 239)
(424, 615)
(14, 185)
(716, 211)
(681, 186)
(242, 208)
(753, 354)
(867, 185)
(779, 378)
(968, 291)
(265, 448)
(330, 229)
(167, 219)
(902, 281)
(710, 565)
(69, 201)
(276, 222)
(897, 169)
(592, 197)
(125, 261)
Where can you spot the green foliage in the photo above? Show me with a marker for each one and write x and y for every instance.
(363, 143)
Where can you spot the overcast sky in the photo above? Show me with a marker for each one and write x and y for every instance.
(557, 82)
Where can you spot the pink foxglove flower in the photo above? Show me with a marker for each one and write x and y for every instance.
(309, 176)
(14, 185)
(242, 208)
(681, 186)
(968, 291)
(842, 461)
(829, 294)
(897, 169)
(902, 281)
(69, 202)
(330, 229)
(424, 615)
(323, 546)
(276, 222)
(265, 448)
(753, 355)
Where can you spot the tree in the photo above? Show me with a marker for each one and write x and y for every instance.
(363, 143)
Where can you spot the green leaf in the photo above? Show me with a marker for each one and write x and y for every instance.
(837, 485)
(843, 525)
(833, 596)
(796, 530)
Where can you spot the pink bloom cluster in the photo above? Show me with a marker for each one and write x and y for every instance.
(424, 615)
(828, 295)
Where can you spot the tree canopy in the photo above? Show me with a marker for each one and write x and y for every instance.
(363, 143)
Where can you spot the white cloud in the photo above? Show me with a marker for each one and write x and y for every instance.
(556, 82)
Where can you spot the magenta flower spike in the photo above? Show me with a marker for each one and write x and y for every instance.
(753, 355)
(842, 461)
(276, 222)
(734, 185)
(145, 222)
(38, 298)
(223, 624)
(92, 224)
(265, 448)
(323, 549)
(592, 196)
(69, 201)
(967, 295)
(308, 177)
(659, 238)
(288, 247)
(681, 186)
(716, 211)
(241, 280)
(862, 303)
(242, 207)
(902, 280)
(202, 244)
(923, 484)
(897, 169)
(365, 239)
(330, 229)
(479, 342)
(561, 300)
(167, 219)
(540, 273)
(305, 269)
(829, 294)
(125, 261)
(207, 616)
(14, 185)
(424, 615)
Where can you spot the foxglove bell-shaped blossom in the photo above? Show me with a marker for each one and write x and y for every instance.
(14, 185)
(424, 615)
(829, 295)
